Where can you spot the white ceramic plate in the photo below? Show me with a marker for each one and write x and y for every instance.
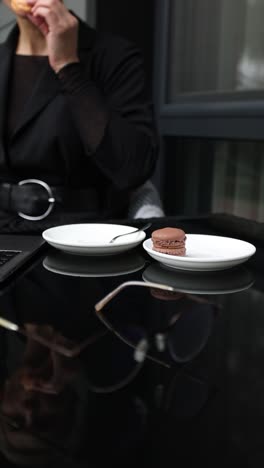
(205, 253)
(196, 282)
(93, 239)
(74, 265)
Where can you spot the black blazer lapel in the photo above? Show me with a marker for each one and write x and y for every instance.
(86, 36)
(45, 88)
(48, 85)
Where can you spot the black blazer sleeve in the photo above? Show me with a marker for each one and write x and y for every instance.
(112, 113)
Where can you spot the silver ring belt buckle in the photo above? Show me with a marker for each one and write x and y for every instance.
(51, 200)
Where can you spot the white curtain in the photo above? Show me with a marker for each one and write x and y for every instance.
(215, 45)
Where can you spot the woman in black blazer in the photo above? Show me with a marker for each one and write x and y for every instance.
(76, 128)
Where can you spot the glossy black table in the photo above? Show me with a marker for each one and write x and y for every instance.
(155, 378)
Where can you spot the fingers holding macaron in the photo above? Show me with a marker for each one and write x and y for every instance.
(21, 6)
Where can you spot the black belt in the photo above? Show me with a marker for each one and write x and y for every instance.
(34, 199)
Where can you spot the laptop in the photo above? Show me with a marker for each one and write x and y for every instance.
(17, 252)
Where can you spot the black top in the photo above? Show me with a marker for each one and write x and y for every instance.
(25, 72)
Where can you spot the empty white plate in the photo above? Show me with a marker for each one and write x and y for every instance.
(93, 239)
(205, 253)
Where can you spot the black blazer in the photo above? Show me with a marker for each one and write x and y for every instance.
(53, 140)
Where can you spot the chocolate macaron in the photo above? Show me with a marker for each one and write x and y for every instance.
(169, 241)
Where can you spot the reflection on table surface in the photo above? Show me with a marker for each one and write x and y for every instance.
(85, 266)
(45, 392)
(213, 282)
(156, 376)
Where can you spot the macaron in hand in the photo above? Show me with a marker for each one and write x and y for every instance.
(170, 241)
(20, 6)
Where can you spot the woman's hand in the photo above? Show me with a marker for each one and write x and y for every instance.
(60, 29)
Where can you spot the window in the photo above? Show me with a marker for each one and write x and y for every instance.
(241, 167)
(215, 46)
(209, 91)
(210, 68)
(218, 176)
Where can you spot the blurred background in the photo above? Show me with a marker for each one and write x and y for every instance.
(204, 63)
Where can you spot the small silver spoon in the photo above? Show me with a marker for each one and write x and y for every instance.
(142, 228)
